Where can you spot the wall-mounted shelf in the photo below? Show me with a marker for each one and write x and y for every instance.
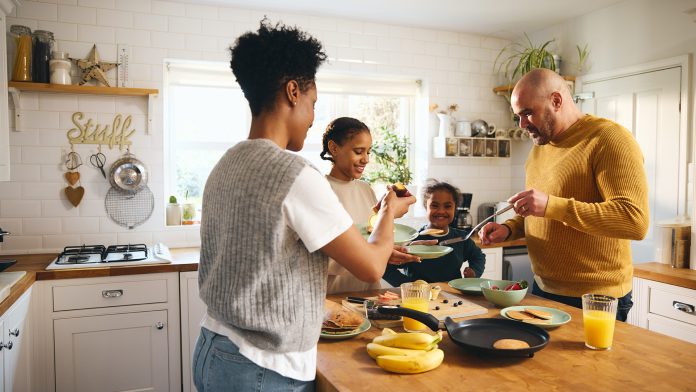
(507, 89)
(474, 147)
(15, 89)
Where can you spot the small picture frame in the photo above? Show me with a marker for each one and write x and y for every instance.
(479, 147)
(491, 148)
(452, 147)
(464, 147)
(504, 148)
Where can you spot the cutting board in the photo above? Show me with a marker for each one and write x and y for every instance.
(466, 309)
(7, 280)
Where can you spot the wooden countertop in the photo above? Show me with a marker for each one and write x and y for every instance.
(664, 273)
(639, 360)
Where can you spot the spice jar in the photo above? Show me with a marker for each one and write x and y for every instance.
(21, 71)
(41, 54)
(60, 68)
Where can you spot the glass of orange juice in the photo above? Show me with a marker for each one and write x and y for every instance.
(415, 295)
(599, 318)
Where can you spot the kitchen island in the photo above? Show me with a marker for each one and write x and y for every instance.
(639, 360)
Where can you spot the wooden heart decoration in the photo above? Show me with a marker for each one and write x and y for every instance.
(72, 177)
(74, 194)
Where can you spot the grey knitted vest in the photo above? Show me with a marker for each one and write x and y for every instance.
(255, 274)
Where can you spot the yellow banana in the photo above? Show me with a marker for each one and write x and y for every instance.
(410, 364)
(415, 341)
(375, 350)
(388, 331)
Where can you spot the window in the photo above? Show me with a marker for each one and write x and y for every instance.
(206, 114)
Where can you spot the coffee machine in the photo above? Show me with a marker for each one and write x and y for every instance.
(463, 219)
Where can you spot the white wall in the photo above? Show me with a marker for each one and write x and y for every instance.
(455, 68)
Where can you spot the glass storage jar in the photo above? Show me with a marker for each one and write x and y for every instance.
(21, 72)
(60, 68)
(41, 54)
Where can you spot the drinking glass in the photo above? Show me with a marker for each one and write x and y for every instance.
(599, 318)
(415, 296)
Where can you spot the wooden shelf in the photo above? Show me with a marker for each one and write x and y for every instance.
(15, 89)
(77, 89)
(507, 89)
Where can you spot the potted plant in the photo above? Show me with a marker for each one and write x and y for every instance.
(390, 159)
(189, 212)
(173, 212)
(516, 59)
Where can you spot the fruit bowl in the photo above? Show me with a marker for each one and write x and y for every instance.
(500, 297)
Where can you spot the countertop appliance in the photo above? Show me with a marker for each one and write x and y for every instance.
(463, 219)
(517, 265)
(99, 256)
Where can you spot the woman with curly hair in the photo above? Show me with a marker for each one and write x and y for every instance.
(270, 222)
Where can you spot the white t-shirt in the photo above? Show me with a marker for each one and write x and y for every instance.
(313, 211)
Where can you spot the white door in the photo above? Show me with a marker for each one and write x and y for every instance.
(648, 105)
(117, 352)
(17, 345)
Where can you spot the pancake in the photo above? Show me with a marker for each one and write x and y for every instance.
(510, 344)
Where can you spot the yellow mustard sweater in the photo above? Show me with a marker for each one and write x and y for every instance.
(598, 202)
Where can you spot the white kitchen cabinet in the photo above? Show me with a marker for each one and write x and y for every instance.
(494, 263)
(664, 308)
(117, 333)
(15, 346)
(192, 311)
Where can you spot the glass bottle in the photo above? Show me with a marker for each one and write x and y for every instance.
(43, 45)
(21, 72)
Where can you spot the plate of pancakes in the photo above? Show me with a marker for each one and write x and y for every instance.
(541, 316)
(341, 322)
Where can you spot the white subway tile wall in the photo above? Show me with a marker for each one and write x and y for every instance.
(454, 67)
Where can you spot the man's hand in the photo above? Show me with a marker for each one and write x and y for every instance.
(493, 232)
(529, 203)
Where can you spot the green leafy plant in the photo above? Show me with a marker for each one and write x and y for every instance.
(583, 53)
(516, 59)
(390, 157)
(172, 199)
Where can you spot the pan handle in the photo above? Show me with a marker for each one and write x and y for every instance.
(426, 318)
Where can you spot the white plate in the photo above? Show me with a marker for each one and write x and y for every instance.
(428, 251)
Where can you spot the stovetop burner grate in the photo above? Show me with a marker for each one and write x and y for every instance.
(90, 254)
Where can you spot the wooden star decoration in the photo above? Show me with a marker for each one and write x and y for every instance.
(93, 68)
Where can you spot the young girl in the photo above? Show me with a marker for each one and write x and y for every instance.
(270, 223)
(440, 199)
(347, 143)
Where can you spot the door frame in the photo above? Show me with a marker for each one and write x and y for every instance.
(686, 141)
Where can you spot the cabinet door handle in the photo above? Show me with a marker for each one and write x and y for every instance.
(159, 325)
(112, 293)
(7, 345)
(686, 308)
(14, 332)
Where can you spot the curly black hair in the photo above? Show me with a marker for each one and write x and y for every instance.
(340, 130)
(435, 185)
(265, 60)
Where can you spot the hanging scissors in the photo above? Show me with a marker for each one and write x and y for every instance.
(98, 160)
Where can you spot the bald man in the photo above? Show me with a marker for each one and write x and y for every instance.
(586, 197)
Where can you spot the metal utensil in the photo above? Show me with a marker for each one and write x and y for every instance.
(98, 160)
(476, 228)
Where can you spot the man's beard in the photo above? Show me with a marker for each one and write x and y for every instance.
(541, 136)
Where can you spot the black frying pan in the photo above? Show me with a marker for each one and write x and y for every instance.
(478, 335)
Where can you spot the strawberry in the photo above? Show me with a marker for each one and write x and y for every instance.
(495, 288)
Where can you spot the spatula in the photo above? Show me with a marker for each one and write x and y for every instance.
(476, 228)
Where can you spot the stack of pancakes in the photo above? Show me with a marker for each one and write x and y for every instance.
(339, 320)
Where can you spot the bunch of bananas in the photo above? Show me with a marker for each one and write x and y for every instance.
(406, 352)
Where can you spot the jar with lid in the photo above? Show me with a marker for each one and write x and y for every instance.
(21, 72)
(41, 54)
(60, 68)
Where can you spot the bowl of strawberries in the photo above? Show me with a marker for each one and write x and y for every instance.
(504, 293)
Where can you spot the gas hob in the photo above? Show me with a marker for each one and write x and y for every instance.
(100, 256)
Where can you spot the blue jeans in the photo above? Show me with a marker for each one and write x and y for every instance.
(218, 366)
(622, 309)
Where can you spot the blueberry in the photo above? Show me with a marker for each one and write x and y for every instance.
(437, 308)
(455, 305)
(460, 302)
(445, 301)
